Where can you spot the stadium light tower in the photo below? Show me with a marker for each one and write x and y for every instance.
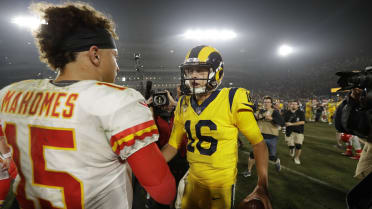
(30, 22)
(285, 50)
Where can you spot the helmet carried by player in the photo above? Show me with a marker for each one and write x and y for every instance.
(202, 56)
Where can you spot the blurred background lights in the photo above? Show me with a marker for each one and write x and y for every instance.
(285, 50)
(211, 34)
(30, 22)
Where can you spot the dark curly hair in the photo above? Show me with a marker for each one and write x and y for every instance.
(62, 20)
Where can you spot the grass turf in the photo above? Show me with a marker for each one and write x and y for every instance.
(320, 160)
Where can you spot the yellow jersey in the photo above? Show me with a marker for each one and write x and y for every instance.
(212, 130)
(331, 107)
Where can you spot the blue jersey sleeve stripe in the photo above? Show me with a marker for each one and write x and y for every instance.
(231, 96)
(183, 97)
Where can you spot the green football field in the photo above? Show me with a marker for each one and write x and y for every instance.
(321, 181)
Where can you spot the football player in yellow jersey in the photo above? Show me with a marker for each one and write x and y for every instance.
(308, 111)
(331, 110)
(211, 119)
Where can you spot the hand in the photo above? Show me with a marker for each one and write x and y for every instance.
(261, 193)
(259, 116)
(149, 101)
(288, 124)
(170, 98)
(6, 163)
(356, 93)
(268, 117)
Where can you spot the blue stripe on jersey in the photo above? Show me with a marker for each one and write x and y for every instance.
(183, 97)
(231, 96)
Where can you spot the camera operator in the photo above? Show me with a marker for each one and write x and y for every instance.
(163, 105)
(269, 121)
(353, 117)
(349, 119)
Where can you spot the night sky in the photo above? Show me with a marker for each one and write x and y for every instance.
(318, 30)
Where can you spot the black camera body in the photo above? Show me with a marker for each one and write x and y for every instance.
(355, 79)
(160, 99)
(355, 116)
(358, 79)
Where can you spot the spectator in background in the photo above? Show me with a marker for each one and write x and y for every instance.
(269, 121)
(318, 112)
(308, 111)
(277, 105)
(294, 121)
(331, 109)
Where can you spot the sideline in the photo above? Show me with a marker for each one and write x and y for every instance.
(304, 175)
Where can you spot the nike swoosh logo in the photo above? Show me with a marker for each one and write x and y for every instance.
(216, 198)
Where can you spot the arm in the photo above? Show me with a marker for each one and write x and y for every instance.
(259, 114)
(253, 134)
(300, 122)
(302, 119)
(172, 102)
(248, 126)
(268, 117)
(5, 151)
(4, 148)
(131, 119)
(277, 118)
(153, 173)
(295, 123)
(175, 140)
(168, 152)
(149, 103)
(339, 125)
(261, 156)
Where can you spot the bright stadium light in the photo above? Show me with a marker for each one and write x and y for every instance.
(211, 34)
(285, 50)
(27, 22)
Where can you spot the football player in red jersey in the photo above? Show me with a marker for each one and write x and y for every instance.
(351, 142)
(8, 172)
(67, 135)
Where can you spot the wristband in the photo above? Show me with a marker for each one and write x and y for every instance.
(7, 155)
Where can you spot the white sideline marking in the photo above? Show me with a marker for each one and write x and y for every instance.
(306, 176)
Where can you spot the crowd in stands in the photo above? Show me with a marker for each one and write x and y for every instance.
(309, 82)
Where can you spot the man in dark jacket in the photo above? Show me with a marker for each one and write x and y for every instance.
(294, 121)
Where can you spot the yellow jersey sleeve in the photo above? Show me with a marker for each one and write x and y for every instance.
(178, 130)
(242, 109)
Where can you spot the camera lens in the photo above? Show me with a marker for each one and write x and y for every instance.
(160, 100)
